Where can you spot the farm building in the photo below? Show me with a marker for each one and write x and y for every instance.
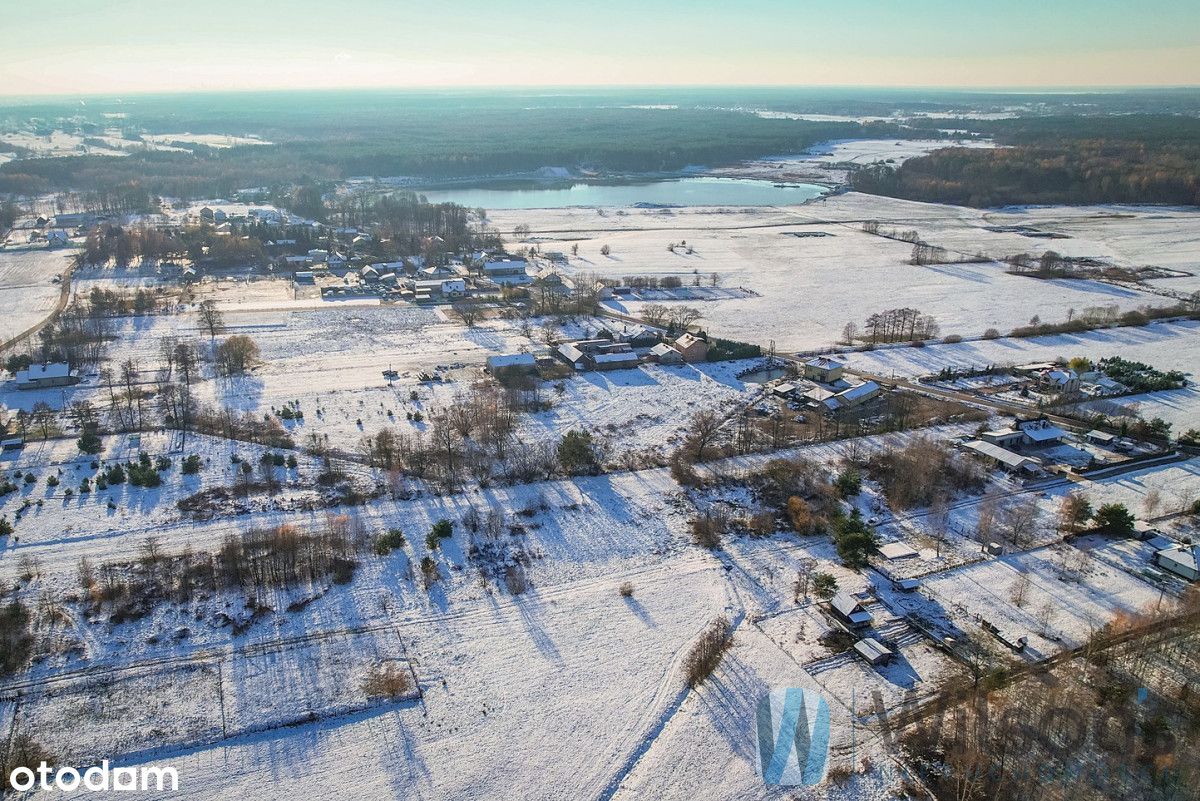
(41, 376)
(597, 354)
(823, 369)
(507, 271)
(444, 287)
(1001, 457)
(854, 396)
(516, 362)
(1180, 560)
(664, 354)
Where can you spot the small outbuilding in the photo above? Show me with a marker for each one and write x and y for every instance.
(875, 652)
(664, 354)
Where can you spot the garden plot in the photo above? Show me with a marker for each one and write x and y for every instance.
(264, 688)
(646, 407)
(81, 722)
(709, 743)
(1176, 486)
(1065, 596)
(131, 713)
(47, 515)
(1179, 407)
(27, 295)
(547, 682)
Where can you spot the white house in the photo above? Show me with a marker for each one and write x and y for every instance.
(1180, 560)
(41, 376)
(447, 287)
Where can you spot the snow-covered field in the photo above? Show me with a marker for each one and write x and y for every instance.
(809, 288)
(27, 295)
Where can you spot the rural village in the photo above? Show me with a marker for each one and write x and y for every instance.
(417, 477)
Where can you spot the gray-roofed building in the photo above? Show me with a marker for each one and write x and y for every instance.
(663, 353)
(1001, 457)
(850, 609)
(875, 652)
(823, 369)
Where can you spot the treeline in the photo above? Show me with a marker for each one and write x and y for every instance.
(1142, 159)
(432, 143)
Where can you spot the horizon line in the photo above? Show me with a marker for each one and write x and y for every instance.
(566, 88)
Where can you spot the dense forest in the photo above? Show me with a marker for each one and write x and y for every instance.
(1130, 159)
(442, 144)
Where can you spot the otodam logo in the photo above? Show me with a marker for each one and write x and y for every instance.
(793, 737)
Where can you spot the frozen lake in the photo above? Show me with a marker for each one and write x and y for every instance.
(698, 191)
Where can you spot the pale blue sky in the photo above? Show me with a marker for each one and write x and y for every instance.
(135, 45)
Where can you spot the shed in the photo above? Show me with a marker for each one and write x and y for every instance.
(1101, 437)
(1005, 459)
(897, 550)
(875, 652)
(616, 360)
